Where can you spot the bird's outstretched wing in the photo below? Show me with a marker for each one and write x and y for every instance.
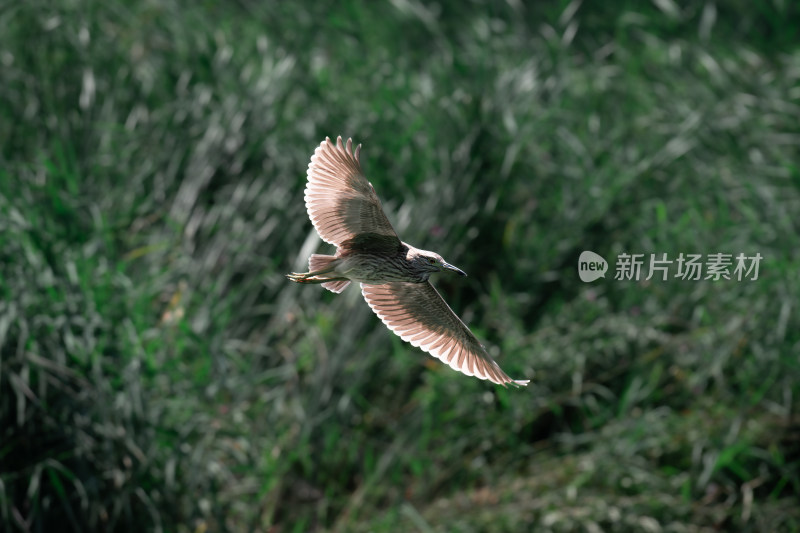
(341, 203)
(418, 314)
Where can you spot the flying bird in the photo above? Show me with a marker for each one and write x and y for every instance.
(347, 213)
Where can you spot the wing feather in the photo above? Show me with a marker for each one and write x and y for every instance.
(341, 203)
(418, 314)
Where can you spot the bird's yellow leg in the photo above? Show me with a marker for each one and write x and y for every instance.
(311, 277)
(314, 276)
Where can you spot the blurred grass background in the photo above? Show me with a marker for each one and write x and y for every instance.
(158, 372)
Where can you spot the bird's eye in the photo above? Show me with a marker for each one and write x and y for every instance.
(431, 260)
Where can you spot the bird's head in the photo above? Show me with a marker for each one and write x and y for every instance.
(427, 263)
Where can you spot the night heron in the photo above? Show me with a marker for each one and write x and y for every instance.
(393, 275)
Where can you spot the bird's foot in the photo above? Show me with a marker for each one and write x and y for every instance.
(300, 278)
(311, 277)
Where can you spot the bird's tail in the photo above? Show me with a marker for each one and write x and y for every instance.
(318, 266)
(336, 286)
(321, 264)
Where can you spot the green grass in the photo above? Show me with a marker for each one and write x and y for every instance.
(159, 373)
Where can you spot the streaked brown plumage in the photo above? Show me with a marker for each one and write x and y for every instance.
(347, 213)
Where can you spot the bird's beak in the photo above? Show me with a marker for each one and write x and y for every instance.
(457, 270)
